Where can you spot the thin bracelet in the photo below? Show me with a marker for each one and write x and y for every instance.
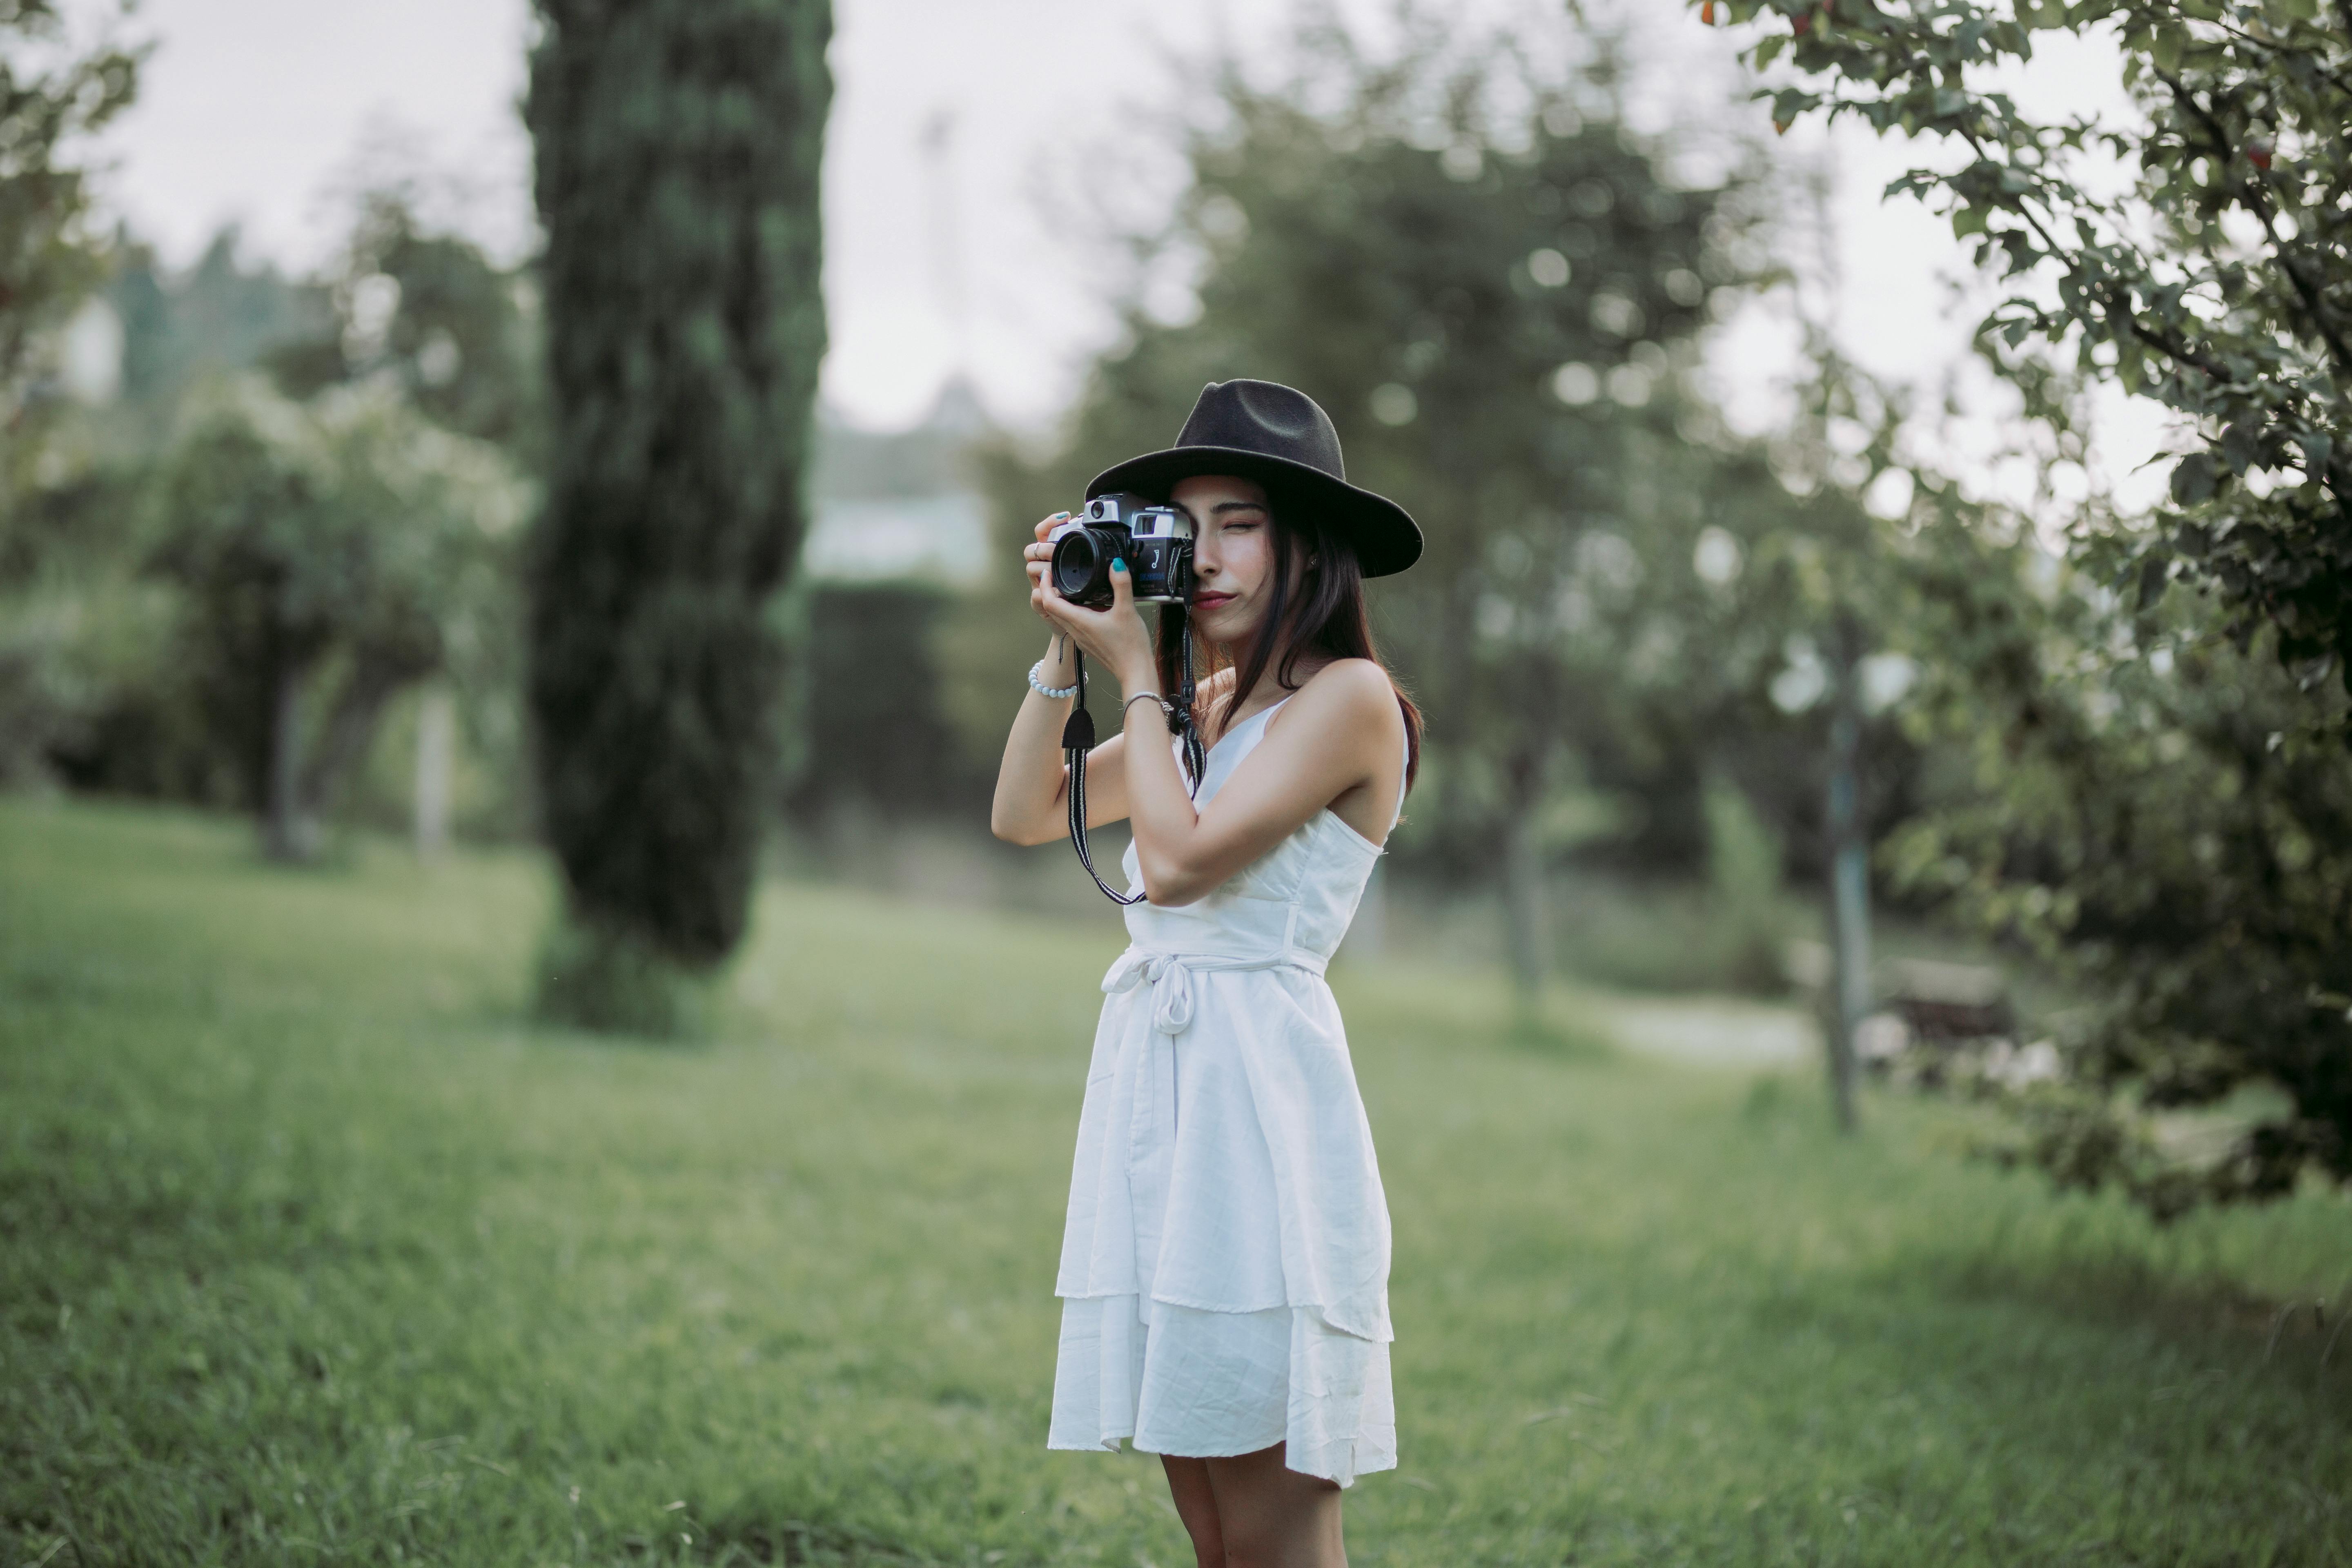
(1167, 708)
(1036, 671)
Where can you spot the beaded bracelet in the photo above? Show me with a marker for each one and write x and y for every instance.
(1037, 684)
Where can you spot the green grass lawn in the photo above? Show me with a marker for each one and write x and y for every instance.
(313, 1249)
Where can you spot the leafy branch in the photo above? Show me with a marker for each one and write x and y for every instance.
(2244, 108)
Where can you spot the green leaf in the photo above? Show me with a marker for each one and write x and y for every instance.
(1769, 50)
(2130, 361)
(2193, 478)
(2241, 444)
(1966, 221)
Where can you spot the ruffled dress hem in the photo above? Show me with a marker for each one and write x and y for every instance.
(1209, 1385)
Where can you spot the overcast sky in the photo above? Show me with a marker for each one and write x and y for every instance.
(269, 113)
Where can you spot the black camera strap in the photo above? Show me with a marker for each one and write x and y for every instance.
(1078, 740)
(1183, 723)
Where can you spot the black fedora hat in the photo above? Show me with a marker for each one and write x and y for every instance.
(1280, 438)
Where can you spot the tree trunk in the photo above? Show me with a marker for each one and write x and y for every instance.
(1456, 665)
(344, 738)
(1526, 907)
(437, 750)
(283, 834)
(1849, 881)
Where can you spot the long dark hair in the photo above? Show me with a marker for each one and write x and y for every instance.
(1322, 611)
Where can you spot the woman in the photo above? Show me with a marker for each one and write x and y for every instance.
(1224, 1264)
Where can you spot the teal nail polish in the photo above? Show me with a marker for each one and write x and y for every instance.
(1117, 564)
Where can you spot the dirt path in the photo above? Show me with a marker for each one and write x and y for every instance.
(1712, 1031)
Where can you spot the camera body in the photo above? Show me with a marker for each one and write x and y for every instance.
(1156, 541)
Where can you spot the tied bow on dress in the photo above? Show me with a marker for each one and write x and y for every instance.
(1170, 975)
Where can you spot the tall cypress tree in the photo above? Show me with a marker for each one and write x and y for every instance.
(679, 143)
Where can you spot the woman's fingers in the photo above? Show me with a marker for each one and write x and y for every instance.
(1109, 634)
(1058, 609)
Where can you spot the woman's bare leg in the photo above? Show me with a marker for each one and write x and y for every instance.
(1196, 1505)
(1269, 1516)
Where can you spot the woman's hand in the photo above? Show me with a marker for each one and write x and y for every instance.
(1116, 636)
(1036, 558)
(1031, 802)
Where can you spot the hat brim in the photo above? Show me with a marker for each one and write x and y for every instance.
(1382, 534)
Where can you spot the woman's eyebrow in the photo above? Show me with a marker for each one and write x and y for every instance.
(1223, 507)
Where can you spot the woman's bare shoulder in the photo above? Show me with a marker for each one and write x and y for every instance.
(1352, 691)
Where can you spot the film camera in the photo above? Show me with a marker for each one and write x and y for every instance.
(1156, 541)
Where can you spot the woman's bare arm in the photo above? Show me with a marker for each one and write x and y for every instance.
(1342, 732)
(1032, 783)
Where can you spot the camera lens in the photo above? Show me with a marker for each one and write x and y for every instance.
(1081, 567)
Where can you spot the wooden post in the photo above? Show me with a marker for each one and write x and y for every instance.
(1526, 905)
(282, 834)
(1849, 875)
(437, 750)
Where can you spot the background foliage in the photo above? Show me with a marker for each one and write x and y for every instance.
(333, 554)
(2212, 277)
(2151, 808)
(50, 98)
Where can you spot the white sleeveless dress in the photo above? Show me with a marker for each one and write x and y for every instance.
(1226, 1261)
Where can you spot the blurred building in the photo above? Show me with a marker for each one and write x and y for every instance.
(897, 530)
(900, 507)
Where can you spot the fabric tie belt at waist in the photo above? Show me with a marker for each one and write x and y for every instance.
(1170, 975)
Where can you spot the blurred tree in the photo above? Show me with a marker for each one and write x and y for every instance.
(2148, 815)
(2217, 279)
(2147, 809)
(434, 314)
(1818, 588)
(331, 555)
(1492, 285)
(678, 148)
(52, 96)
(140, 707)
(48, 258)
(218, 318)
(426, 311)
